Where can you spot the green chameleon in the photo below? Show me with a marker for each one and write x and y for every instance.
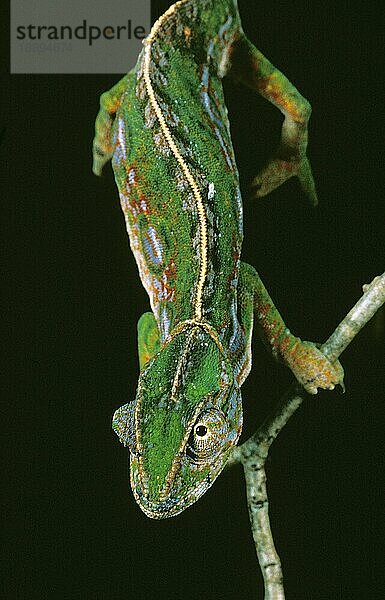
(165, 126)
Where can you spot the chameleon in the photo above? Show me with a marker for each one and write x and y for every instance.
(165, 128)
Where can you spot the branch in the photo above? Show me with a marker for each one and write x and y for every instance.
(253, 453)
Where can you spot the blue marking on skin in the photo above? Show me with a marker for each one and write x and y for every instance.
(222, 143)
(205, 95)
(160, 288)
(164, 323)
(213, 117)
(225, 27)
(120, 137)
(237, 339)
(233, 404)
(131, 176)
(238, 200)
(117, 156)
(153, 246)
(206, 98)
(210, 50)
(118, 141)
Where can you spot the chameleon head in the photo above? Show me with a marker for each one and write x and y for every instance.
(180, 429)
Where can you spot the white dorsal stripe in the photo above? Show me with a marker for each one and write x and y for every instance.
(203, 266)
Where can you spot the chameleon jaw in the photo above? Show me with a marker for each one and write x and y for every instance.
(173, 504)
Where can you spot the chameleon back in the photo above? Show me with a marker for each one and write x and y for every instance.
(175, 169)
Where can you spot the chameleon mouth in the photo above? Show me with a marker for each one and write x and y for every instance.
(170, 506)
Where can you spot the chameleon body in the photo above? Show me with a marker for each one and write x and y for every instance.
(166, 129)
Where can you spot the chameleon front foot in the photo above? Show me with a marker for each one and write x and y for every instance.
(312, 369)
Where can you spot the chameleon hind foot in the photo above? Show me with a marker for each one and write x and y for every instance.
(278, 170)
(253, 69)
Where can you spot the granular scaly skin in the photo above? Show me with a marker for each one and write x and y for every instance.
(166, 129)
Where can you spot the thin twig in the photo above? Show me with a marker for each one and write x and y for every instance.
(255, 476)
(253, 453)
(356, 319)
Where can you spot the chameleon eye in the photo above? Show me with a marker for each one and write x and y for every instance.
(208, 435)
(201, 430)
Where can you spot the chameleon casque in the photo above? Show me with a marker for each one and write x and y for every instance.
(165, 126)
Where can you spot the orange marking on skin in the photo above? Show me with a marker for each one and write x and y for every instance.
(171, 271)
(285, 343)
(272, 86)
(145, 357)
(187, 34)
(263, 311)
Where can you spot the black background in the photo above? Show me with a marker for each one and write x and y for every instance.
(73, 529)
